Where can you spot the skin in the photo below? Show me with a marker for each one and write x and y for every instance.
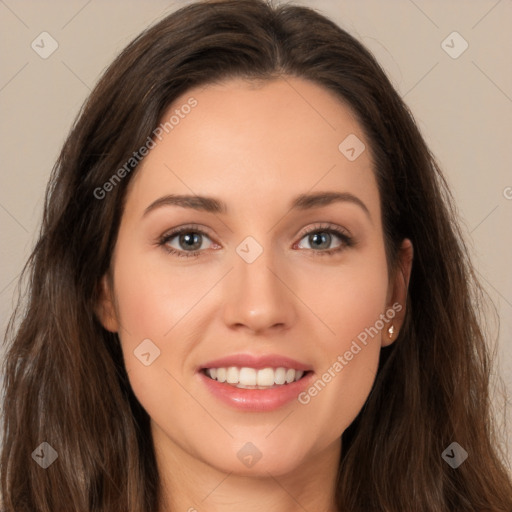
(255, 146)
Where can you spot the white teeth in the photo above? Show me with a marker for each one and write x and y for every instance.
(280, 376)
(250, 378)
(265, 377)
(221, 374)
(232, 375)
(247, 376)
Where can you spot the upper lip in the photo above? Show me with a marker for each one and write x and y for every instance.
(256, 361)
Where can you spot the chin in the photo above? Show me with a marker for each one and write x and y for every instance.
(259, 457)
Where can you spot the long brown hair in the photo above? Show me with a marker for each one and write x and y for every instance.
(65, 381)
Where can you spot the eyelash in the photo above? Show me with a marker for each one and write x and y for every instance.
(347, 241)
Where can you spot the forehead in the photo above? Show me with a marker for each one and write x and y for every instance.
(257, 143)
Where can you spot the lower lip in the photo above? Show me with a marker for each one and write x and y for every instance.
(256, 400)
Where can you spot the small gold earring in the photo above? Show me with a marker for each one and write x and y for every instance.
(391, 331)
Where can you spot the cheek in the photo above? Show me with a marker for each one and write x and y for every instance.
(152, 307)
(352, 304)
(349, 300)
(153, 298)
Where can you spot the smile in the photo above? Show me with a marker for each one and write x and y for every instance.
(252, 378)
(255, 382)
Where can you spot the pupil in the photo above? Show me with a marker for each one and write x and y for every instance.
(325, 237)
(190, 240)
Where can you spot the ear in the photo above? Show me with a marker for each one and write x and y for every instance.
(105, 309)
(397, 295)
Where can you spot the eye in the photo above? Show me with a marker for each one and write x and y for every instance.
(321, 237)
(189, 241)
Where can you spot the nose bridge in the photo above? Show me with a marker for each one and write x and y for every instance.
(257, 296)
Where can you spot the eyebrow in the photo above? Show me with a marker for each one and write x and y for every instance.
(213, 205)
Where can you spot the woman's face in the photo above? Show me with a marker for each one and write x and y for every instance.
(286, 277)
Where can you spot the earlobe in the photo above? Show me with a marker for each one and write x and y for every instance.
(105, 310)
(398, 299)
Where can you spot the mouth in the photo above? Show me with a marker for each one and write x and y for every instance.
(255, 382)
(253, 378)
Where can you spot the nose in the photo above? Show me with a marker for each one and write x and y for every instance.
(258, 296)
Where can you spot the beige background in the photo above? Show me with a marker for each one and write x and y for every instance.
(463, 107)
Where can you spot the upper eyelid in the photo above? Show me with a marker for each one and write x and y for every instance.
(184, 229)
